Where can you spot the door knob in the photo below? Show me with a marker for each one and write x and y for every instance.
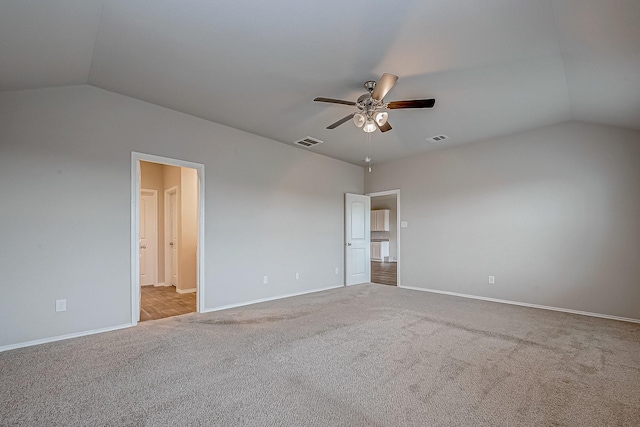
(170, 243)
(143, 247)
(348, 244)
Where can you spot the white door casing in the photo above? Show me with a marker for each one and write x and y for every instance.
(357, 239)
(148, 237)
(171, 236)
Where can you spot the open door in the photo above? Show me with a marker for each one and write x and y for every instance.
(357, 265)
(148, 237)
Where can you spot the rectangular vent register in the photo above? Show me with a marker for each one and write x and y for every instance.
(437, 138)
(308, 142)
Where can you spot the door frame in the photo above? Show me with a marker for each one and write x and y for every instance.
(136, 157)
(154, 193)
(168, 257)
(398, 228)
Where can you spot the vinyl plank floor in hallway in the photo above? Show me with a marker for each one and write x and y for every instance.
(385, 273)
(163, 301)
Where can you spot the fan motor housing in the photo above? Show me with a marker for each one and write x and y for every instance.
(370, 85)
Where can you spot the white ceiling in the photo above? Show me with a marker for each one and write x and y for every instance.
(495, 67)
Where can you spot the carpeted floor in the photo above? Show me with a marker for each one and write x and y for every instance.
(367, 355)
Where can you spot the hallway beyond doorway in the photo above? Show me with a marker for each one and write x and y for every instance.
(158, 302)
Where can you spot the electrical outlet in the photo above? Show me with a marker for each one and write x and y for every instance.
(337, 270)
(404, 224)
(265, 280)
(492, 280)
(297, 276)
(61, 305)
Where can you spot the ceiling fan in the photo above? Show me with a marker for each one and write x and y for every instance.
(371, 112)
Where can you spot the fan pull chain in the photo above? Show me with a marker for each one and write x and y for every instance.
(370, 150)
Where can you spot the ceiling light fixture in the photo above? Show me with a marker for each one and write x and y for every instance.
(369, 126)
(368, 123)
(381, 118)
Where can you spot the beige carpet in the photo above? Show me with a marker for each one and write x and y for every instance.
(368, 355)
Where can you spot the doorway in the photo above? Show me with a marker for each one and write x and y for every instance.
(385, 237)
(167, 237)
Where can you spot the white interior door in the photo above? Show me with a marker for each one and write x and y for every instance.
(357, 239)
(171, 233)
(148, 237)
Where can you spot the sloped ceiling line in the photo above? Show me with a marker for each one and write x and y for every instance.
(95, 41)
(562, 56)
(495, 67)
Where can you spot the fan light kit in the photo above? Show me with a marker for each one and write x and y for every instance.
(369, 125)
(371, 115)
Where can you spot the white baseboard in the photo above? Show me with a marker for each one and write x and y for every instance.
(63, 337)
(225, 307)
(157, 285)
(525, 304)
(185, 291)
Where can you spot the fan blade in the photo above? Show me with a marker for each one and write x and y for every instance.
(383, 86)
(341, 121)
(416, 103)
(335, 101)
(385, 127)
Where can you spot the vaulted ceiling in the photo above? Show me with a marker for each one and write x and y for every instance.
(495, 67)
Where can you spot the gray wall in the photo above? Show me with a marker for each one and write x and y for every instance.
(553, 213)
(65, 159)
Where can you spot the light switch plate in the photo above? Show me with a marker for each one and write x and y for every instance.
(61, 305)
(404, 224)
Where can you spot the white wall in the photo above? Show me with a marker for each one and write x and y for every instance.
(553, 213)
(65, 159)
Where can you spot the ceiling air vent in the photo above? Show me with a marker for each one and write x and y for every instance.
(308, 142)
(437, 138)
